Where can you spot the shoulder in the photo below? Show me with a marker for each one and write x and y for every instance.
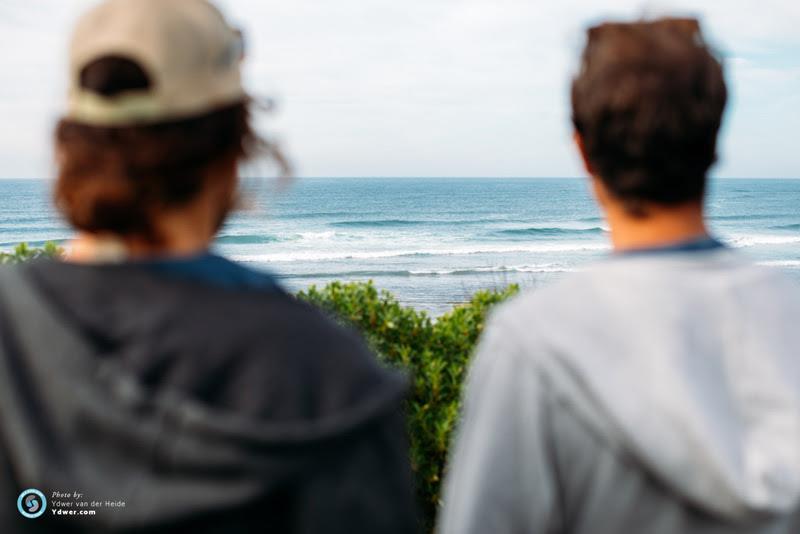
(623, 284)
(292, 356)
(523, 315)
(260, 352)
(543, 330)
(592, 312)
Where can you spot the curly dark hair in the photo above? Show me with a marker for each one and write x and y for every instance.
(648, 102)
(114, 179)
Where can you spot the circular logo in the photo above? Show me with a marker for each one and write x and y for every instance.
(31, 503)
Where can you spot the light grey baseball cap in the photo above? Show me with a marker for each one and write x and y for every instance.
(190, 54)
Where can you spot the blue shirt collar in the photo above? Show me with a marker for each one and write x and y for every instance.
(692, 245)
(210, 268)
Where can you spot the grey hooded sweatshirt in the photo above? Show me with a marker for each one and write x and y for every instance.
(654, 394)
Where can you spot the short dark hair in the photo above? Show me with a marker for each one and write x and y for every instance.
(647, 103)
(114, 178)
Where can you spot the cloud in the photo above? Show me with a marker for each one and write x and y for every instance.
(427, 87)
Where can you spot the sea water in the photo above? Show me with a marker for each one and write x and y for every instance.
(435, 241)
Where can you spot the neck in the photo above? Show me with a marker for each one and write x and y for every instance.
(662, 226)
(182, 233)
(184, 230)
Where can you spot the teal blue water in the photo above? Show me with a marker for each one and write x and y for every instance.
(434, 242)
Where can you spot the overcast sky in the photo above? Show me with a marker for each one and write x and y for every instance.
(428, 87)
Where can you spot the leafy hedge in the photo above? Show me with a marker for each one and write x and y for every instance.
(436, 352)
(23, 252)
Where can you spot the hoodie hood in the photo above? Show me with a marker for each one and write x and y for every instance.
(689, 361)
(76, 419)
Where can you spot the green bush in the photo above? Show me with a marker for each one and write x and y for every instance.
(23, 252)
(436, 352)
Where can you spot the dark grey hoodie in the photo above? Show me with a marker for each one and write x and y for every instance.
(179, 406)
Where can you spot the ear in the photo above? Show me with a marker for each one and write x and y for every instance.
(598, 187)
(221, 189)
(600, 190)
(223, 174)
(576, 137)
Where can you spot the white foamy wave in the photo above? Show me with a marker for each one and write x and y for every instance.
(755, 240)
(313, 255)
(437, 272)
(318, 236)
(547, 268)
(795, 264)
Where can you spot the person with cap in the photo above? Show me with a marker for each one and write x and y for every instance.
(148, 385)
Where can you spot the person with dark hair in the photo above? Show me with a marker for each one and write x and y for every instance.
(659, 390)
(148, 385)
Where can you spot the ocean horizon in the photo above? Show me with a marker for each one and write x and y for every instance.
(433, 242)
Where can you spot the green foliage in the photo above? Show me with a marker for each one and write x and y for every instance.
(23, 252)
(436, 352)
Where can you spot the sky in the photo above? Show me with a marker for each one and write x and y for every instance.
(428, 87)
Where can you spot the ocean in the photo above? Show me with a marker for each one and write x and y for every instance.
(433, 242)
